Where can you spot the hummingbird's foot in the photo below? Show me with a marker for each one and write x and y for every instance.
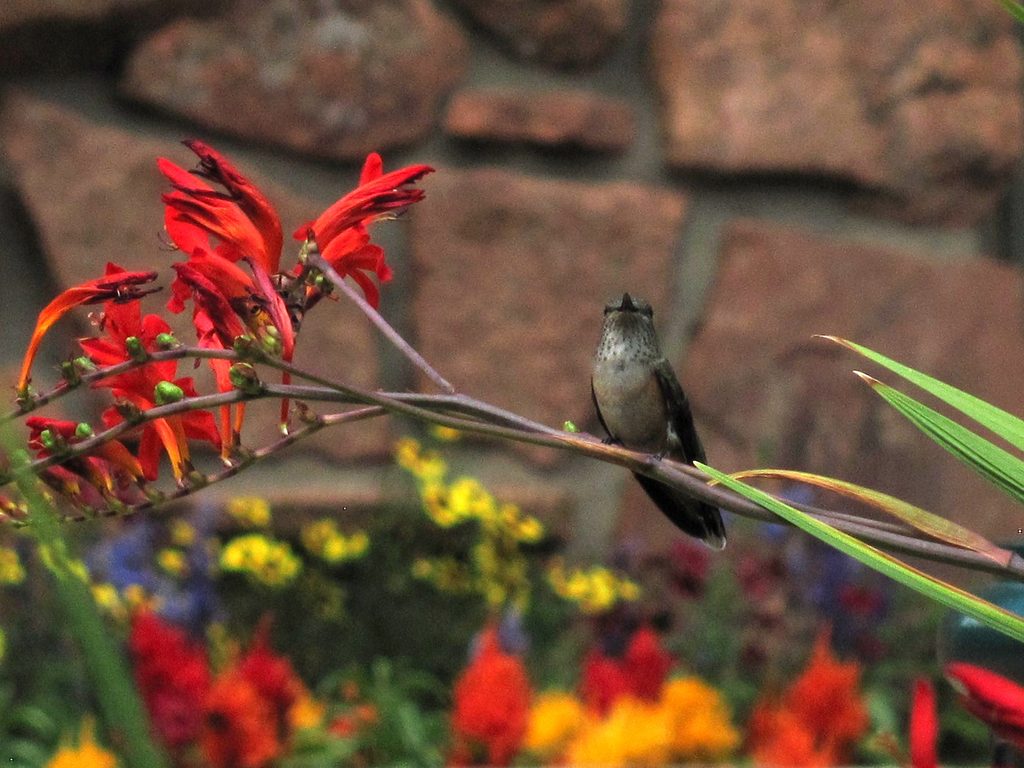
(611, 441)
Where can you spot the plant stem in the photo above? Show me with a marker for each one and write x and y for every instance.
(318, 261)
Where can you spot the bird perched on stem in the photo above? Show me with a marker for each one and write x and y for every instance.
(642, 406)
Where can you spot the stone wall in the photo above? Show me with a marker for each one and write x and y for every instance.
(762, 171)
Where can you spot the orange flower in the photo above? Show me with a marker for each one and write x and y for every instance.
(990, 697)
(239, 724)
(817, 720)
(492, 705)
(117, 284)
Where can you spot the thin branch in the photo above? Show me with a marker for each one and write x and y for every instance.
(487, 420)
(317, 260)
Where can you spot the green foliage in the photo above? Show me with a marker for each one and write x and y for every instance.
(946, 594)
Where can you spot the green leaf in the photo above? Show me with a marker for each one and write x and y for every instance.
(952, 597)
(937, 527)
(1016, 9)
(993, 463)
(1004, 424)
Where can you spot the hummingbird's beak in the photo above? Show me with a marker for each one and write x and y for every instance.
(627, 304)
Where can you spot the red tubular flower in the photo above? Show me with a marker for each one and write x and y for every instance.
(492, 702)
(117, 284)
(122, 321)
(924, 726)
(646, 664)
(242, 219)
(340, 231)
(173, 677)
(111, 473)
(990, 697)
(603, 681)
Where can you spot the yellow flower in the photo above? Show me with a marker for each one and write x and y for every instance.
(88, 754)
(445, 434)
(172, 561)
(11, 569)
(699, 721)
(249, 511)
(261, 558)
(183, 533)
(109, 600)
(555, 720)
(323, 539)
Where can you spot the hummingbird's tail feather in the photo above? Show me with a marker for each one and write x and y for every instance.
(698, 519)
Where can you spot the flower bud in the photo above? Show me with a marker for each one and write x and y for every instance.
(137, 352)
(244, 378)
(166, 341)
(167, 392)
(84, 430)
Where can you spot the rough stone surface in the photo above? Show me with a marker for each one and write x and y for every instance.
(511, 274)
(55, 35)
(563, 118)
(765, 393)
(110, 210)
(337, 81)
(562, 33)
(918, 104)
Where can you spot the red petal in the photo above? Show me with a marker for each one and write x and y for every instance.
(924, 726)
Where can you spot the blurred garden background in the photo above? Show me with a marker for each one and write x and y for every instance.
(384, 593)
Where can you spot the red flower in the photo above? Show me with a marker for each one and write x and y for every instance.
(242, 219)
(137, 386)
(341, 231)
(492, 701)
(924, 726)
(173, 677)
(641, 672)
(112, 473)
(603, 681)
(239, 724)
(990, 697)
(646, 664)
(822, 709)
(117, 284)
(272, 676)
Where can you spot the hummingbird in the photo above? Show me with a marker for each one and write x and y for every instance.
(642, 406)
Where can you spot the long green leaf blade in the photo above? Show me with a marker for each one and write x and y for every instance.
(952, 597)
(1016, 9)
(935, 526)
(1000, 467)
(995, 419)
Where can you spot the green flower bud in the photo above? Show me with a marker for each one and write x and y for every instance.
(70, 373)
(84, 364)
(271, 341)
(244, 378)
(137, 352)
(166, 341)
(568, 426)
(49, 440)
(84, 430)
(167, 392)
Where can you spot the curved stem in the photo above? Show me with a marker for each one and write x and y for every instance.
(315, 259)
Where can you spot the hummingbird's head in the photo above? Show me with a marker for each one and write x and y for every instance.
(630, 305)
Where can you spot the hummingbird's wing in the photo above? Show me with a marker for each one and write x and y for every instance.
(682, 435)
(693, 516)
